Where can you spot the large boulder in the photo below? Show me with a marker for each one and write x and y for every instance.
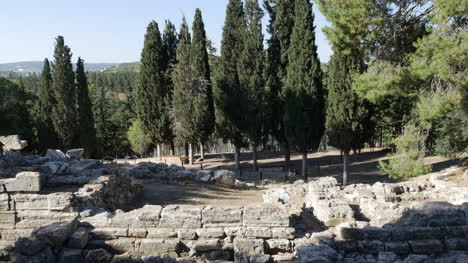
(13, 143)
(57, 233)
(224, 177)
(204, 175)
(55, 155)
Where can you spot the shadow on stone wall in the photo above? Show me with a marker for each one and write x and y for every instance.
(436, 232)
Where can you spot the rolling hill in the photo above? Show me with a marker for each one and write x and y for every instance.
(28, 67)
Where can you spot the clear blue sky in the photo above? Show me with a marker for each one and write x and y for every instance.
(105, 30)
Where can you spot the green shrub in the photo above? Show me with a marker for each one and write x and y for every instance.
(139, 139)
(408, 160)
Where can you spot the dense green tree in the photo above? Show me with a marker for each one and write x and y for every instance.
(170, 41)
(227, 93)
(201, 64)
(85, 114)
(46, 132)
(190, 101)
(64, 112)
(15, 112)
(153, 94)
(346, 114)
(304, 107)
(251, 81)
(138, 138)
(280, 29)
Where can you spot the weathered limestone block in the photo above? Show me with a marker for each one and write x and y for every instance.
(23, 182)
(137, 232)
(374, 233)
(456, 231)
(236, 231)
(259, 258)
(15, 234)
(427, 246)
(78, 239)
(249, 246)
(145, 217)
(348, 246)
(258, 232)
(205, 245)
(100, 220)
(181, 216)
(37, 218)
(312, 253)
(55, 155)
(158, 246)
(7, 219)
(57, 233)
(371, 247)
(44, 256)
(457, 244)
(186, 234)
(162, 233)
(75, 154)
(434, 214)
(118, 246)
(5, 202)
(68, 255)
(283, 232)
(349, 233)
(408, 233)
(109, 233)
(13, 143)
(29, 246)
(98, 256)
(400, 248)
(213, 216)
(284, 257)
(265, 215)
(30, 201)
(60, 201)
(224, 177)
(217, 232)
(275, 246)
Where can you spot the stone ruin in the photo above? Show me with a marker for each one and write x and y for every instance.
(83, 211)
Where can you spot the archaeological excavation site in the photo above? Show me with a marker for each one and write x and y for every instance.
(58, 208)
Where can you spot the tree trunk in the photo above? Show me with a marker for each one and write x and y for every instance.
(186, 148)
(202, 150)
(190, 154)
(304, 167)
(158, 151)
(172, 148)
(287, 157)
(255, 164)
(345, 167)
(237, 157)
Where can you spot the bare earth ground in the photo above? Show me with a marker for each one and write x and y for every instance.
(363, 169)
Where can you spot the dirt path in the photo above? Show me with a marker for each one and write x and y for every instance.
(192, 193)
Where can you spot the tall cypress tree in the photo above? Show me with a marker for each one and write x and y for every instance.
(280, 29)
(87, 131)
(345, 111)
(250, 68)
(170, 41)
(152, 96)
(201, 65)
(227, 92)
(304, 107)
(64, 92)
(190, 105)
(46, 131)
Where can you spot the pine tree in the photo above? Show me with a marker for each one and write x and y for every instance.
(152, 96)
(46, 131)
(304, 97)
(250, 68)
(64, 111)
(87, 131)
(200, 61)
(280, 29)
(227, 92)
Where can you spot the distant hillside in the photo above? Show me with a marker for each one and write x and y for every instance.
(124, 67)
(27, 67)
